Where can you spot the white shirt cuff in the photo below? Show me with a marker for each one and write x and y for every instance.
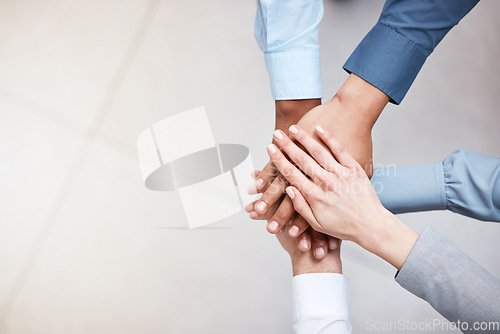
(321, 295)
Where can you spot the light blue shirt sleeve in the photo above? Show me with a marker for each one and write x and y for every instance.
(466, 182)
(287, 32)
(393, 52)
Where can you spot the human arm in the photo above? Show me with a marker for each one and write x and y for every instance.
(339, 200)
(407, 32)
(334, 195)
(287, 33)
(458, 288)
(466, 182)
(320, 291)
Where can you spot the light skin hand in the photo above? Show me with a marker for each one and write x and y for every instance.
(350, 115)
(306, 262)
(338, 198)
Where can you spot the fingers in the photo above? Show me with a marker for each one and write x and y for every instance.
(272, 194)
(264, 216)
(307, 164)
(315, 149)
(301, 206)
(298, 226)
(318, 244)
(304, 241)
(266, 176)
(289, 171)
(333, 243)
(282, 216)
(342, 156)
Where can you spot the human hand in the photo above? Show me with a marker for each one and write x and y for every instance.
(350, 115)
(306, 262)
(305, 238)
(339, 199)
(289, 112)
(278, 205)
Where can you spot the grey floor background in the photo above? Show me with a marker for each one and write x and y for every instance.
(82, 248)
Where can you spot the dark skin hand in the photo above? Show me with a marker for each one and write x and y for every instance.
(289, 112)
(350, 116)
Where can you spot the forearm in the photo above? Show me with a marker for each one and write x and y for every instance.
(457, 287)
(393, 52)
(389, 238)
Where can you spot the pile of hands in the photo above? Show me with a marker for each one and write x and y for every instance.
(315, 192)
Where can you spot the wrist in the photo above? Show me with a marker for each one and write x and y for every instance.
(289, 112)
(306, 263)
(361, 98)
(390, 239)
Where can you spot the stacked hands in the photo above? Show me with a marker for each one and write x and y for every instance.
(333, 199)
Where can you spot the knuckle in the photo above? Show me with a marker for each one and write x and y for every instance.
(273, 189)
(316, 153)
(322, 176)
(300, 208)
(280, 216)
(288, 171)
(285, 142)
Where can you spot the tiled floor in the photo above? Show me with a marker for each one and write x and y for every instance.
(81, 244)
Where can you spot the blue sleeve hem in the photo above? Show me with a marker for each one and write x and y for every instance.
(387, 60)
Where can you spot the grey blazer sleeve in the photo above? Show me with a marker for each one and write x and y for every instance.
(457, 287)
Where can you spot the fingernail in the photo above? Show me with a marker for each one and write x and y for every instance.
(332, 244)
(272, 149)
(304, 244)
(320, 129)
(272, 226)
(261, 207)
(278, 134)
(252, 190)
(319, 253)
(290, 192)
(294, 231)
(259, 183)
(293, 129)
(249, 207)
